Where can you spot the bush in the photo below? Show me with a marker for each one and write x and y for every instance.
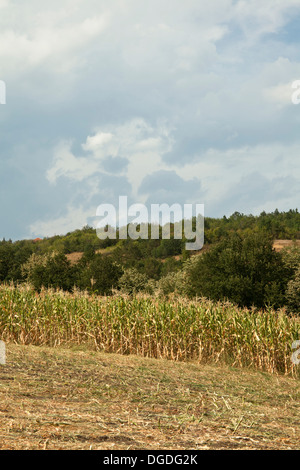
(291, 259)
(293, 292)
(177, 282)
(33, 262)
(132, 281)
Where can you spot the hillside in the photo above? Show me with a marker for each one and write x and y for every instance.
(278, 246)
(239, 262)
(138, 344)
(77, 399)
(281, 244)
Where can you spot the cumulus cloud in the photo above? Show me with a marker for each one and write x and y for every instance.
(281, 94)
(66, 164)
(256, 18)
(138, 145)
(50, 45)
(151, 99)
(265, 191)
(72, 219)
(168, 187)
(219, 178)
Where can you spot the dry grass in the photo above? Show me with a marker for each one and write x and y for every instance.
(279, 245)
(77, 255)
(76, 399)
(74, 257)
(181, 396)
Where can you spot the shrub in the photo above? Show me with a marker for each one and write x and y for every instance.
(291, 259)
(293, 292)
(177, 282)
(132, 281)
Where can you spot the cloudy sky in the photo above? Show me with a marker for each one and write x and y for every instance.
(163, 101)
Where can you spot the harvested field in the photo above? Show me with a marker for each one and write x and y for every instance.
(53, 398)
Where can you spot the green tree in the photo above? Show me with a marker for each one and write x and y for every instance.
(291, 259)
(151, 267)
(245, 270)
(293, 292)
(100, 275)
(56, 273)
(168, 247)
(132, 281)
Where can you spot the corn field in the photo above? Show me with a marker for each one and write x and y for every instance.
(175, 329)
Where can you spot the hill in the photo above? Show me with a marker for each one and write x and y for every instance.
(277, 244)
(238, 248)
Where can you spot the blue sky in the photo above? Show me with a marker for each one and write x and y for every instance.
(161, 101)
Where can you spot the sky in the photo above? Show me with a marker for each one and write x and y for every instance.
(162, 101)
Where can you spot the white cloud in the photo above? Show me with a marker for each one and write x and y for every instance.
(257, 18)
(144, 146)
(67, 165)
(73, 219)
(50, 44)
(176, 34)
(281, 94)
(136, 140)
(209, 85)
(99, 143)
(220, 171)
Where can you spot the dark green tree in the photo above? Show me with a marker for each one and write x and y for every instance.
(57, 274)
(245, 270)
(100, 275)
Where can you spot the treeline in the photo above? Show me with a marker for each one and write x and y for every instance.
(238, 262)
(279, 225)
(243, 269)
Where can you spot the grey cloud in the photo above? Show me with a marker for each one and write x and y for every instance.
(115, 164)
(200, 67)
(256, 191)
(168, 187)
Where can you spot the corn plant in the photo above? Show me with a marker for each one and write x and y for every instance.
(171, 328)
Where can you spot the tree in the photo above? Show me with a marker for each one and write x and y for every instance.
(88, 252)
(168, 247)
(6, 259)
(151, 267)
(245, 270)
(12, 256)
(132, 281)
(100, 275)
(53, 271)
(293, 292)
(291, 259)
